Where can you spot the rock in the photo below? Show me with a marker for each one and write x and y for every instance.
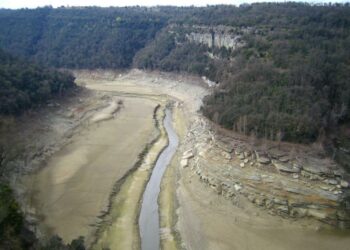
(342, 215)
(284, 158)
(344, 184)
(251, 198)
(317, 214)
(238, 151)
(184, 163)
(285, 167)
(241, 165)
(246, 161)
(295, 176)
(297, 165)
(276, 153)
(325, 188)
(283, 208)
(187, 154)
(280, 202)
(254, 178)
(237, 187)
(260, 201)
(247, 154)
(269, 204)
(316, 168)
(299, 212)
(226, 155)
(263, 160)
(241, 156)
(332, 181)
(293, 190)
(227, 148)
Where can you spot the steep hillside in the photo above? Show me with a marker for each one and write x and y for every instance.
(23, 84)
(282, 69)
(78, 37)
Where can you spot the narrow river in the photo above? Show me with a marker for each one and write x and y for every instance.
(149, 216)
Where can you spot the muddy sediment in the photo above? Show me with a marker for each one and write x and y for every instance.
(222, 191)
(73, 189)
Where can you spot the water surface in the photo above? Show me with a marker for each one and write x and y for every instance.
(149, 216)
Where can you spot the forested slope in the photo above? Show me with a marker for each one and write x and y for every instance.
(78, 37)
(24, 84)
(283, 69)
(288, 80)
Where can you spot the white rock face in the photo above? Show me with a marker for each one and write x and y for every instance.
(202, 38)
(216, 40)
(218, 36)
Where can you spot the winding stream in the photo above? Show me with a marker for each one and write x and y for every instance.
(149, 216)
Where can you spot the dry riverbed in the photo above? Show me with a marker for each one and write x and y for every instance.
(92, 174)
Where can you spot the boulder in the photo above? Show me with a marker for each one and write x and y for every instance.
(184, 163)
(344, 184)
(285, 158)
(226, 147)
(316, 168)
(226, 155)
(241, 165)
(237, 187)
(317, 214)
(187, 154)
(332, 182)
(263, 160)
(285, 167)
(280, 202)
(283, 208)
(276, 153)
(238, 151)
(254, 178)
(247, 154)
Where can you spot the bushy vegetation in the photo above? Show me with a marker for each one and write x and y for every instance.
(23, 84)
(11, 221)
(15, 235)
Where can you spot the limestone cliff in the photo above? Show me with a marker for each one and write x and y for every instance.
(217, 36)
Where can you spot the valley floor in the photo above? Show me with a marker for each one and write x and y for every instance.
(208, 199)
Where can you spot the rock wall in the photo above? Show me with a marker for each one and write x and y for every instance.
(285, 183)
(219, 36)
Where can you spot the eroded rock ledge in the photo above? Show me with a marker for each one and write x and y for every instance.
(283, 179)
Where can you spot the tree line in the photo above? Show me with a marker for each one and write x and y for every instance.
(24, 84)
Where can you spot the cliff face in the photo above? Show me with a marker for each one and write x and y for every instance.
(218, 36)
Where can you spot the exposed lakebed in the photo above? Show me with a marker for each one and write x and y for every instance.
(69, 193)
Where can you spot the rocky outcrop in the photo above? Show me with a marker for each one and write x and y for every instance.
(217, 36)
(283, 182)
